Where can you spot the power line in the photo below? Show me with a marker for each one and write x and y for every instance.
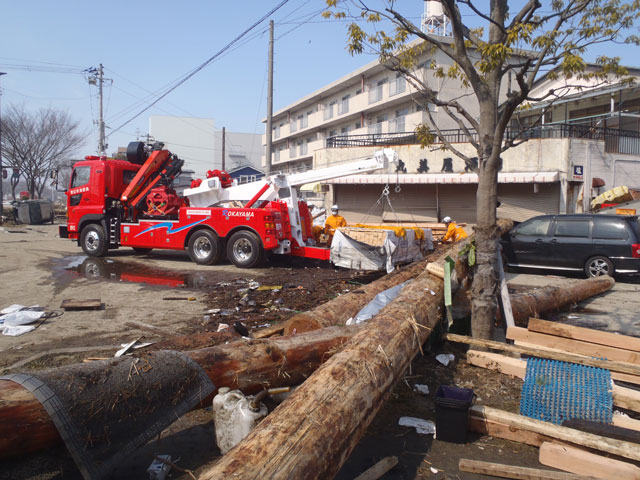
(203, 65)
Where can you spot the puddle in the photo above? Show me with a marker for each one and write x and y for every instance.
(66, 269)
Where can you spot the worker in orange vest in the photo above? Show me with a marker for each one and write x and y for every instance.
(454, 232)
(335, 220)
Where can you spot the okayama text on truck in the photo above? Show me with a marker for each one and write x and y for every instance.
(131, 203)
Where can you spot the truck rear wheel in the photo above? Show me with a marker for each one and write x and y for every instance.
(93, 240)
(205, 247)
(244, 249)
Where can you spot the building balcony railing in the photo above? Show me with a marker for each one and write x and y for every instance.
(615, 140)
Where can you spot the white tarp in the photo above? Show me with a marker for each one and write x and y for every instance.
(349, 253)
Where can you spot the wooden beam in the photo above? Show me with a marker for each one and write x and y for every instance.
(573, 346)
(379, 469)
(514, 472)
(500, 430)
(615, 447)
(590, 335)
(89, 304)
(582, 462)
(622, 397)
(603, 429)
(536, 352)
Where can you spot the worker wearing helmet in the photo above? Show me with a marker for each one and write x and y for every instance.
(454, 232)
(335, 220)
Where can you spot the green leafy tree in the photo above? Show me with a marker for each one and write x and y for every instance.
(518, 43)
(36, 143)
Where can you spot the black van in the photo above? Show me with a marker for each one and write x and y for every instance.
(595, 244)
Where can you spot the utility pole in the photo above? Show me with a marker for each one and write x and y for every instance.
(223, 145)
(97, 78)
(269, 131)
(1, 168)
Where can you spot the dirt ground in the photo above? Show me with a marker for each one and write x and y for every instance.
(161, 296)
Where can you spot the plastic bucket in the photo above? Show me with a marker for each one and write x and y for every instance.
(452, 413)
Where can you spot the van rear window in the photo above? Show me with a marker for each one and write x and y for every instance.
(609, 229)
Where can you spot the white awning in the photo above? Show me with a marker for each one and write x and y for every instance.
(445, 178)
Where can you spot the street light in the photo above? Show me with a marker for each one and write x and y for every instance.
(1, 170)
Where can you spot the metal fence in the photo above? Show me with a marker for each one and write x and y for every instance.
(615, 140)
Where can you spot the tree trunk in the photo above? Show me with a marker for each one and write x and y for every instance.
(311, 434)
(250, 366)
(340, 309)
(485, 281)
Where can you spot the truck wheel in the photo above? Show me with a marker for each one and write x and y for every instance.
(597, 266)
(205, 247)
(93, 240)
(142, 249)
(244, 249)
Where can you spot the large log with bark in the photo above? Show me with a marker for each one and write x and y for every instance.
(341, 397)
(249, 366)
(340, 309)
(547, 299)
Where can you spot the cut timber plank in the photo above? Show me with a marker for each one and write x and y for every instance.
(266, 332)
(501, 430)
(573, 346)
(585, 334)
(581, 462)
(622, 397)
(512, 471)
(606, 430)
(542, 353)
(379, 469)
(89, 304)
(615, 447)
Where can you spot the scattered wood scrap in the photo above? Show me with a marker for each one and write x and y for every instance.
(582, 462)
(514, 472)
(379, 469)
(89, 304)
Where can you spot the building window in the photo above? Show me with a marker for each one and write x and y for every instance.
(276, 131)
(344, 105)
(333, 133)
(302, 121)
(398, 123)
(358, 125)
(292, 149)
(399, 85)
(276, 155)
(293, 126)
(375, 94)
(344, 130)
(328, 112)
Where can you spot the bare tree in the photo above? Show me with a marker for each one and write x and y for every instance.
(35, 143)
(522, 45)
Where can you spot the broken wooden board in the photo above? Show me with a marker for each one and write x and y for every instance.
(379, 469)
(89, 304)
(590, 335)
(582, 462)
(514, 472)
(579, 347)
(608, 445)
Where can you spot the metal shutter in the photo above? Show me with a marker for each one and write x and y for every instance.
(519, 202)
(413, 203)
(356, 200)
(458, 202)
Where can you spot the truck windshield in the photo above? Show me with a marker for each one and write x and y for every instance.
(80, 176)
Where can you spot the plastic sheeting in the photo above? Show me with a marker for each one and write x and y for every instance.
(349, 253)
(380, 301)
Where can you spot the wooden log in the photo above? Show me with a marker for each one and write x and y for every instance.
(525, 305)
(513, 471)
(554, 355)
(608, 445)
(573, 346)
(622, 397)
(590, 335)
(340, 309)
(246, 365)
(341, 397)
(582, 462)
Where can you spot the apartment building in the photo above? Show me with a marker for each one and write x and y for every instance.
(369, 101)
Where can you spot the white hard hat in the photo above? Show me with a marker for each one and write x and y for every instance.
(334, 207)
(446, 220)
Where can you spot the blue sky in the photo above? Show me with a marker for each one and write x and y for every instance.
(145, 45)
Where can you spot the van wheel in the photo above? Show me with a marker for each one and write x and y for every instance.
(244, 249)
(205, 247)
(93, 240)
(598, 266)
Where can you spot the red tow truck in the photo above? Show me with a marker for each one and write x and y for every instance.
(131, 203)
